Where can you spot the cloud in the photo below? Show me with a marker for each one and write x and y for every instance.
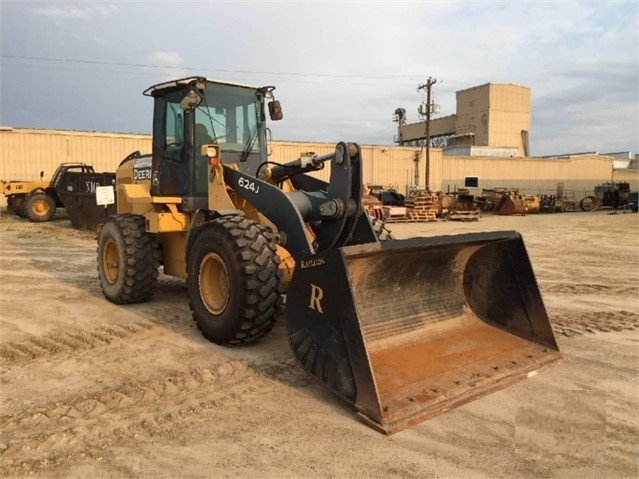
(594, 107)
(341, 68)
(69, 12)
(170, 64)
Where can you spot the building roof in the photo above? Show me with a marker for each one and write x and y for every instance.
(492, 84)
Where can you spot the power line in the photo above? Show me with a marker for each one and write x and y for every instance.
(174, 67)
(149, 73)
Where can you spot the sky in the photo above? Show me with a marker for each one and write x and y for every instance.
(340, 68)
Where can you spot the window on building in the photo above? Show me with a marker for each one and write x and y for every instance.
(471, 182)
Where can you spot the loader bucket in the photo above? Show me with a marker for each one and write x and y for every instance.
(511, 205)
(408, 329)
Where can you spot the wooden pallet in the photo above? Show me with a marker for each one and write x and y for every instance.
(408, 215)
(464, 215)
(422, 214)
(404, 220)
(419, 202)
(421, 207)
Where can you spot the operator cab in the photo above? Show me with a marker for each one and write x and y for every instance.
(196, 111)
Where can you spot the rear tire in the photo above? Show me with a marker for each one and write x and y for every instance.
(39, 207)
(15, 205)
(589, 203)
(234, 280)
(128, 260)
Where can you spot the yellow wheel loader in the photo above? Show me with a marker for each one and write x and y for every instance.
(401, 329)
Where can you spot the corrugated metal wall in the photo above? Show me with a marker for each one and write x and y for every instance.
(530, 176)
(383, 165)
(26, 152)
(629, 176)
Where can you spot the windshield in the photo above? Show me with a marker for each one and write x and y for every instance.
(230, 116)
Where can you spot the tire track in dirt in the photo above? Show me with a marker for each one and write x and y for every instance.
(606, 257)
(47, 435)
(572, 324)
(45, 254)
(65, 343)
(588, 289)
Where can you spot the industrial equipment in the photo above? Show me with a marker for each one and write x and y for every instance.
(633, 201)
(373, 206)
(402, 330)
(16, 191)
(39, 200)
(388, 195)
(607, 195)
(511, 203)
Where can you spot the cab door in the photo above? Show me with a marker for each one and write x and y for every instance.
(170, 151)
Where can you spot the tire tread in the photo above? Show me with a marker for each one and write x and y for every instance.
(141, 261)
(256, 261)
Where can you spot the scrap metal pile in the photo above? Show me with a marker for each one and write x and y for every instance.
(420, 206)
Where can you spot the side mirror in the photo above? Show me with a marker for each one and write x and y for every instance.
(275, 110)
(41, 175)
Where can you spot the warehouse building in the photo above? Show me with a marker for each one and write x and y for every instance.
(24, 153)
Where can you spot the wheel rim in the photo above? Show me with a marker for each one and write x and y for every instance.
(214, 283)
(110, 261)
(40, 207)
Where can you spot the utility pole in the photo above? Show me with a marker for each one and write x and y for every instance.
(428, 111)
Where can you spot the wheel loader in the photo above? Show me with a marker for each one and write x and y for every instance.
(402, 329)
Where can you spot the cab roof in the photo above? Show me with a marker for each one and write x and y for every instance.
(152, 90)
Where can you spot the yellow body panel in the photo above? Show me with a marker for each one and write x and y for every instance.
(173, 248)
(139, 193)
(166, 222)
(218, 194)
(135, 199)
(20, 187)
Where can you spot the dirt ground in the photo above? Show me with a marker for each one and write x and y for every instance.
(91, 389)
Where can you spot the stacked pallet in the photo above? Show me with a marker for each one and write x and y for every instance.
(420, 207)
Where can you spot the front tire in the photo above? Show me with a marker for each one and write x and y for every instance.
(39, 207)
(128, 260)
(234, 280)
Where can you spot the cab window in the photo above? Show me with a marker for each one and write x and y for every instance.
(174, 129)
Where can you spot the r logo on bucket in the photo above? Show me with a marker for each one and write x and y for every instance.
(317, 294)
